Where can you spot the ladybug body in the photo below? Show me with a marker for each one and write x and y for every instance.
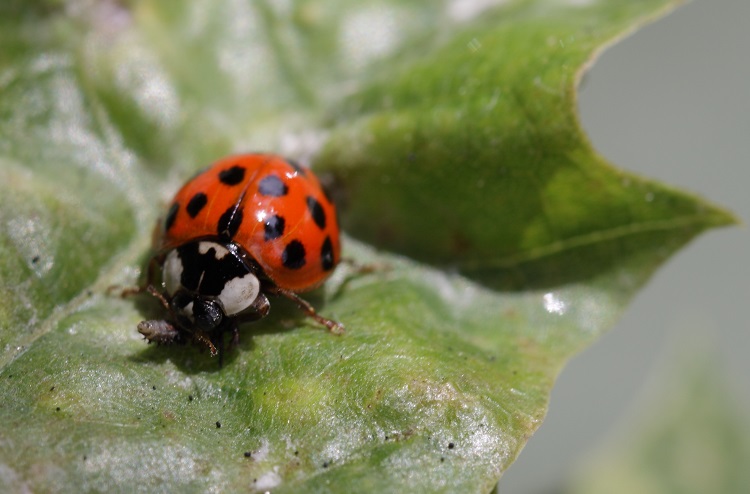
(248, 226)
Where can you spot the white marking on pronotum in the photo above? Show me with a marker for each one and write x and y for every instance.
(239, 293)
(219, 250)
(172, 272)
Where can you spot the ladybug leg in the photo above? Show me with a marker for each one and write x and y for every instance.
(361, 269)
(158, 330)
(258, 310)
(129, 291)
(201, 337)
(334, 327)
(218, 341)
(159, 296)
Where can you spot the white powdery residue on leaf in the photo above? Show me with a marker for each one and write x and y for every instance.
(140, 74)
(119, 463)
(465, 10)
(209, 390)
(71, 130)
(424, 397)
(370, 33)
(31, 237)
(107, 16)
(242, 52)
(70, 124)
(127, 276)
(289, 443)
(554, 304)
(483, 438)
(73, 329)
(303, 145)
(441, 392)
(178, 379)
(578, 3)
(262, 453)
(460, 424)
(199, 15)
(268, 480)
(594, 311)
(463, 297)
(13, 480)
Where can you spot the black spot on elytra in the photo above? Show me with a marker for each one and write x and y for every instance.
(326, 255)
(316, 211)
(171, 216)
(197, 203)
(232, 176)
(274, 228)
(272, 186)
(293, 256)
(230, 222)
(297, 167)
(204, 273)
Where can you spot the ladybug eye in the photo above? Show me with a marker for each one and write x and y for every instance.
(207, 314)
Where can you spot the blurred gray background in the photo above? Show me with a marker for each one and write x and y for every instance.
(671, 102)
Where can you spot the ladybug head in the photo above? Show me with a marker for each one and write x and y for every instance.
(207, 314)
(209, 284)
(196, 312)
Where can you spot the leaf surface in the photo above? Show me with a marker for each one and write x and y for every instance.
(504, 243)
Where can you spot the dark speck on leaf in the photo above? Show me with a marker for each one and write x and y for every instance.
(190, 397)
(451, 445)
(57, 409)
(218, 424)
(52, 388)
(442, 459)
(325, 464)
(296, 452)
(248, 454)
(153, 387)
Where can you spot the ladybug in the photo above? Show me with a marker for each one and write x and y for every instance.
(249, 226)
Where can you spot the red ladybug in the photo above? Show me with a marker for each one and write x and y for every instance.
(251, 225)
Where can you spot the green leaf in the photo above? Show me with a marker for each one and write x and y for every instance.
(504, 244)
